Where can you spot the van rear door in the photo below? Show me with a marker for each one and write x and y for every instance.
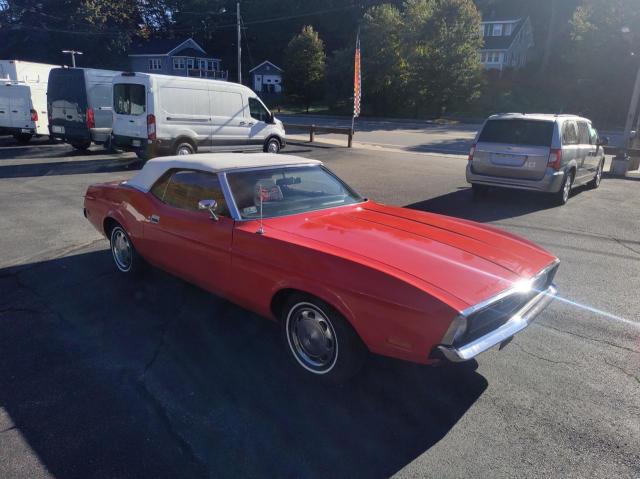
(67, 104)
(514, 148)
(130, 108)
(100, 97)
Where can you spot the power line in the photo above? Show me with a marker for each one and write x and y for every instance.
(111, 31)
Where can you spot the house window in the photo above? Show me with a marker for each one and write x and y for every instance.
(155, 64)
(483, 57)
(497, 29)
(211, 65)
(190, 63)
(202, 64)
(508, 28)
(487, 30)
(178, 63)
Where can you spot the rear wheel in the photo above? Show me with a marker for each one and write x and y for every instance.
(124, 254)
(272, 146)
(23, 138)
(185, 148)
(320, 340)
(562, 196)
(84, 146)
(598, 178)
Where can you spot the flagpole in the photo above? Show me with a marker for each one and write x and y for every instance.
(356, 83)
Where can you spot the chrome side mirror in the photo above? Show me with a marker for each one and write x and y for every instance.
(211, 206)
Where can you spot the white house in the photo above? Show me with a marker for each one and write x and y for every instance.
(266, 78)
(507, 43)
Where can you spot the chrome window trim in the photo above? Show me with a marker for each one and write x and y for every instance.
(233, 207)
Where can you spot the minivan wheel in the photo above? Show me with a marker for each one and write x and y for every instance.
(272, 146)
(562, 196)
(84, 146)
(185, 148)
(23, 138)
(598, 178)
(320, 340)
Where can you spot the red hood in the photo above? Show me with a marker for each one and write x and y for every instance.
(467, 260)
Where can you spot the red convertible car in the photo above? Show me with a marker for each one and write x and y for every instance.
(344, 275)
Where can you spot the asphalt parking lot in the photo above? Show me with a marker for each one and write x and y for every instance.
(109, 377)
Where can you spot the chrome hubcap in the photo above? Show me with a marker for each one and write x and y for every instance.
(183, 150)
(312, 338)
(121, 249)
(273, 147)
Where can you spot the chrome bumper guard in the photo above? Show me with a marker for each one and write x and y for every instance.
(520, 320)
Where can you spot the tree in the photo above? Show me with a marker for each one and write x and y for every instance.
(384, 66)
(304, 67)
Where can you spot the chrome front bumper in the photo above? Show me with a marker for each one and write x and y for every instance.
(520, 320)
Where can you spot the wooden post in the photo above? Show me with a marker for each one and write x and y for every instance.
(350, 140)
(311, 133)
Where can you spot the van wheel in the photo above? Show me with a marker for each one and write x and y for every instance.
(185, 148)
(272, 146)
(320, 340)
(82, 146)
(562, 196)
(596, 180)
(23, 138)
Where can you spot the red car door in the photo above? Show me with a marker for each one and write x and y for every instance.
(184, 240)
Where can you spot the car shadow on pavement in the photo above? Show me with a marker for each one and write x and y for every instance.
(74, 167)
(109, 376)
(457, 146)
(495, 204)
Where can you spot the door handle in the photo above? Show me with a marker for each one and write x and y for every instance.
(155, 219)
(250, 123)
(69, 117)
(132, 121)
(14, 111)
(242, 123)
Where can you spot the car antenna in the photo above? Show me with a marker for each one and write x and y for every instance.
(261, 229)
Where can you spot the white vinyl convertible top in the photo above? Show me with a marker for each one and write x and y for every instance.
(213, 163)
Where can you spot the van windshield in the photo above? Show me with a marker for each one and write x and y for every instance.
(518, 132)
(66, 89)
(128, 99)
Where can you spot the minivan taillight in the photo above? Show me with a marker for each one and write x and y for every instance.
(151, 127)
(34, 115)
(472, 152)
(91, 119)
(555, 158)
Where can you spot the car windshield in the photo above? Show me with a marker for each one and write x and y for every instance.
(518, 132)
(288, 190)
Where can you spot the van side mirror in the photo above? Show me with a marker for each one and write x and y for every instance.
(211, 206)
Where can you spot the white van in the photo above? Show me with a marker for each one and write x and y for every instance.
(80, 102)
(160, 114)
(23, 99)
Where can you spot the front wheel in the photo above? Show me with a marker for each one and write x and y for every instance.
(185, 148)
(598, 178)
(562, 196)
(272, 146)
(320, 340)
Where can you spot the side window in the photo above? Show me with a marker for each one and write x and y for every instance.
(569, 133)
(583, 133)
(159, 188)
(186, 188)
(593, 135)
(257, 110)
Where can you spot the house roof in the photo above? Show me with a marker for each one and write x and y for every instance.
(502, 42)
(188, 52)
(264, 63)
(164, 46)
(213, 163)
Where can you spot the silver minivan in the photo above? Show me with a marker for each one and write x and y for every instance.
(548, 153)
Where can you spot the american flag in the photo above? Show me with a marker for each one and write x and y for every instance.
(357, 81)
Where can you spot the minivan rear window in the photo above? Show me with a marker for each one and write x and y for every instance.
(129, 99)
(518, 132)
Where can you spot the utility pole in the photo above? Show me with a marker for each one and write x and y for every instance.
(73, 56)
(239, 48)
(620, 163)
